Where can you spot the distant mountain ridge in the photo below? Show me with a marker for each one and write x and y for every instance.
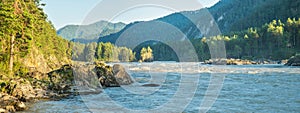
(178, 20)
(91, 31)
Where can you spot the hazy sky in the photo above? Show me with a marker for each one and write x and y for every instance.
(65, 12)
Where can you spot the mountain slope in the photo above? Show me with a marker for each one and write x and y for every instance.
(230, 15)
(92, 31)
(156, 28)
(241, 14)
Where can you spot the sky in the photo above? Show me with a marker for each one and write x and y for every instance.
(82, 12)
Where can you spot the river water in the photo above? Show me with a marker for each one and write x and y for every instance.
(192, 87)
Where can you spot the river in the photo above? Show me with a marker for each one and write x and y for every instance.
(192, 87)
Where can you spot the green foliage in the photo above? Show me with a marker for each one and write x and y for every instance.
(19, 69)
(275, 40)
(146, 54)
(102, 52)
(77, 51)
(126, 55)
(254, 13)
(237, 51)
(89, 51)
(232, 16)
(24, 29)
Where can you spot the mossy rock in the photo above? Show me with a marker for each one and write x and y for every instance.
(100, 64)
(61, 79)
(19, 88)
(9, 103)
(3, 85)
(105, 75)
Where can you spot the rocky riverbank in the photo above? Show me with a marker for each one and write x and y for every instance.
(68, 80)
(294, 61)
(19, 90)
(241, 62)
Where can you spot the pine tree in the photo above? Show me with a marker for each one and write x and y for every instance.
(23, 29)
(15, 26)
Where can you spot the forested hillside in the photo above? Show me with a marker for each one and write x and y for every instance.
(236, 19)
(232, 17)
(101, 52)
(28, 42)
(236, 15)
(276, 40)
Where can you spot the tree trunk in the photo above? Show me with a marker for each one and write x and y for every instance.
(294, 38)
(11, 55)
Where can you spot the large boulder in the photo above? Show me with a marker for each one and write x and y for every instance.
(112, 76)
(122, 77)
(105, 75)
(294, 61)
(85, 79)
(10, 103)
(21, 89)
(61, 80)
(14, 92)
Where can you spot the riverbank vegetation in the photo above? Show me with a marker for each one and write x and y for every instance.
(101, 52)
(277, 40)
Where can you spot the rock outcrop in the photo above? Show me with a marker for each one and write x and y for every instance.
(86, 79)
(112, 76)
(61, 80)
(294, 61)
(216, 61)
(15, 91)
(122, 77)
(21, 89)
(10, 103)
(229, 62)
(105, 75)
(60, 83)
(151, 85)
(237, 62)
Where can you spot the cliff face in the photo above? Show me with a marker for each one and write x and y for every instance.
(37, 61)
